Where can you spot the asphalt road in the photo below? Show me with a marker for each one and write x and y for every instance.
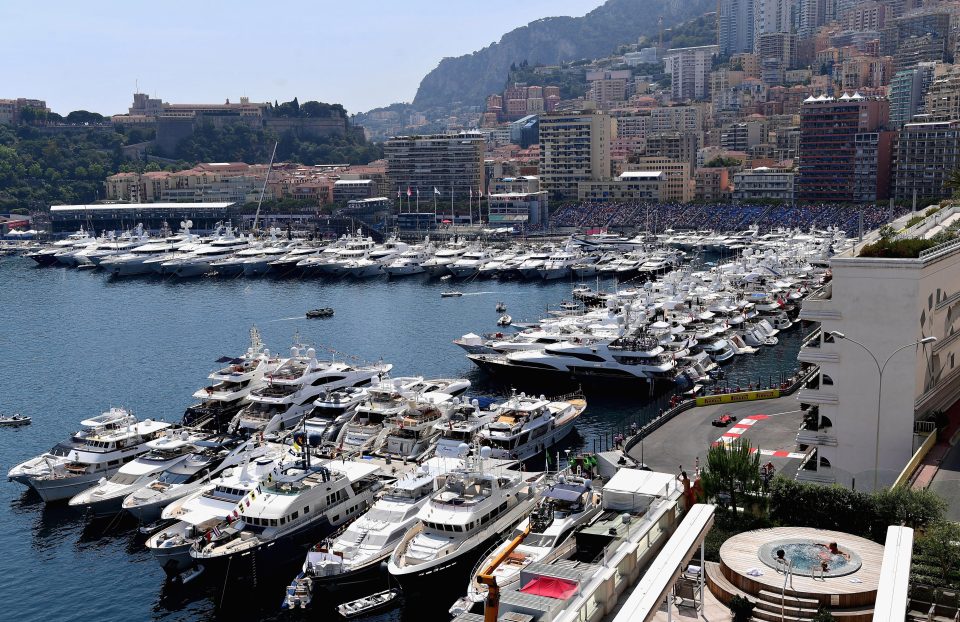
(946, 482)
(689, 435)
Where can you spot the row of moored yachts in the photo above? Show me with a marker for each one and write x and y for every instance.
(676, 330)
(280, 454)
(229, 254)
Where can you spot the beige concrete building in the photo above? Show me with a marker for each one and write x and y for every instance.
(629, 186)
(574, 147)
(678, 185)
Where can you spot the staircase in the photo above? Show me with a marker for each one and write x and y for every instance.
(772, 607)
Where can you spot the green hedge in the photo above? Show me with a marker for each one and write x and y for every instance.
(840, 509)
(909, 248)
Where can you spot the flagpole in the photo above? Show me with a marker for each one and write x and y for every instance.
(418, 200)
(453, 214)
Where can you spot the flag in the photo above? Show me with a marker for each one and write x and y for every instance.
(207, 536)
(248, 502)
(471, 193)
(409, 193)
(216, 531)
(480, 192)
(435, 191)
(398, 193)
(418, 193)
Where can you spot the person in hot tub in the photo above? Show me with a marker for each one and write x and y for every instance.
(834, 549)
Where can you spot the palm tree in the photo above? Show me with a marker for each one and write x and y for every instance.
(730, 469)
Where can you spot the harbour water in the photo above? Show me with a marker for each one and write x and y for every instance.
(75, 343)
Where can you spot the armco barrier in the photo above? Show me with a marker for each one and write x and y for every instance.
(686, 405)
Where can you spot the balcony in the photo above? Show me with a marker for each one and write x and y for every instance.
(821, 438)
(817, 396)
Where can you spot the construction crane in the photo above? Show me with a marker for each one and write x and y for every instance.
(660, 27)
(491, 606)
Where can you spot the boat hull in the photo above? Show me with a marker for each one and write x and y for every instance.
(62, 489)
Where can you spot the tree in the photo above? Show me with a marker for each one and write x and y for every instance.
(953, 182)
(905, 506)
(940, 544)
(731, 469)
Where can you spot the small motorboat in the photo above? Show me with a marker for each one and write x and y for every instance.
(374, 602)
(452, 294)
(317, 313)
(14, 420)
(446, 277)
(505, 320)
(501, 307)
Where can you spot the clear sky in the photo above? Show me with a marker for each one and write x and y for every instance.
(91, 54)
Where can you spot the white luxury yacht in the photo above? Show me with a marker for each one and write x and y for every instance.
(134, 261)
(199, 261)
(524, 427)
(469, 263)
(332, 410)
(294, 508)
(211, 457)
(231, 386)
(356, 555)
(99, 450)
(472, 507)
(47, 256)
(439, 264)
(200, 511)
(461, 423)
(388, 401)
(295, 385)
(410, 261)
(565, 506)
(106, 497)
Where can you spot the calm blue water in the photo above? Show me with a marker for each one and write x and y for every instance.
(75, 343)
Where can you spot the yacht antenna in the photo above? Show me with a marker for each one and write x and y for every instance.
(263, 190)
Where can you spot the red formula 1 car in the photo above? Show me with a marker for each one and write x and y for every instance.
(724, 420)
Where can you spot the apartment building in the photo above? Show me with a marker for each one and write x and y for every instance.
(689, 70)
(451, 163)
(926, 154)
(860, 424)
(629, 186)
(828, 132)
(678, 185)
(763, 183)
(574, 147)
(908, 90)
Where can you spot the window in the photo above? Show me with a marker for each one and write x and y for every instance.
(283, 520)
(294, 515)
(306, 509)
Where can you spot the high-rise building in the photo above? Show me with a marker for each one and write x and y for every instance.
(742, 136)
(680, 146)
(770, 16)
(828, 135)
(867, 15)
(926, 155)
(689, 70)
(574, 147)
(735, 26)
(607, 87)
(872, 166)
(451, 163)
(907, 92)
(811, 14)
(779, 45)
(943, 96)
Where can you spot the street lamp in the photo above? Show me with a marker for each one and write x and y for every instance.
(838, 335)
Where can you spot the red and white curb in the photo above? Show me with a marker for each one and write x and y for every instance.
(742, 426)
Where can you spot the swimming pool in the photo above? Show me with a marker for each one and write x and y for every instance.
(806, 556)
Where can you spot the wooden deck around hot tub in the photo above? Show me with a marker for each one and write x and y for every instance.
(740, 553)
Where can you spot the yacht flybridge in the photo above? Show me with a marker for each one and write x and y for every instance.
(472, 507)
(296, 506)
(526, 426)
(231, 386)
(293, 387)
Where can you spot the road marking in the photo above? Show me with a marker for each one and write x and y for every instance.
(743, 426)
